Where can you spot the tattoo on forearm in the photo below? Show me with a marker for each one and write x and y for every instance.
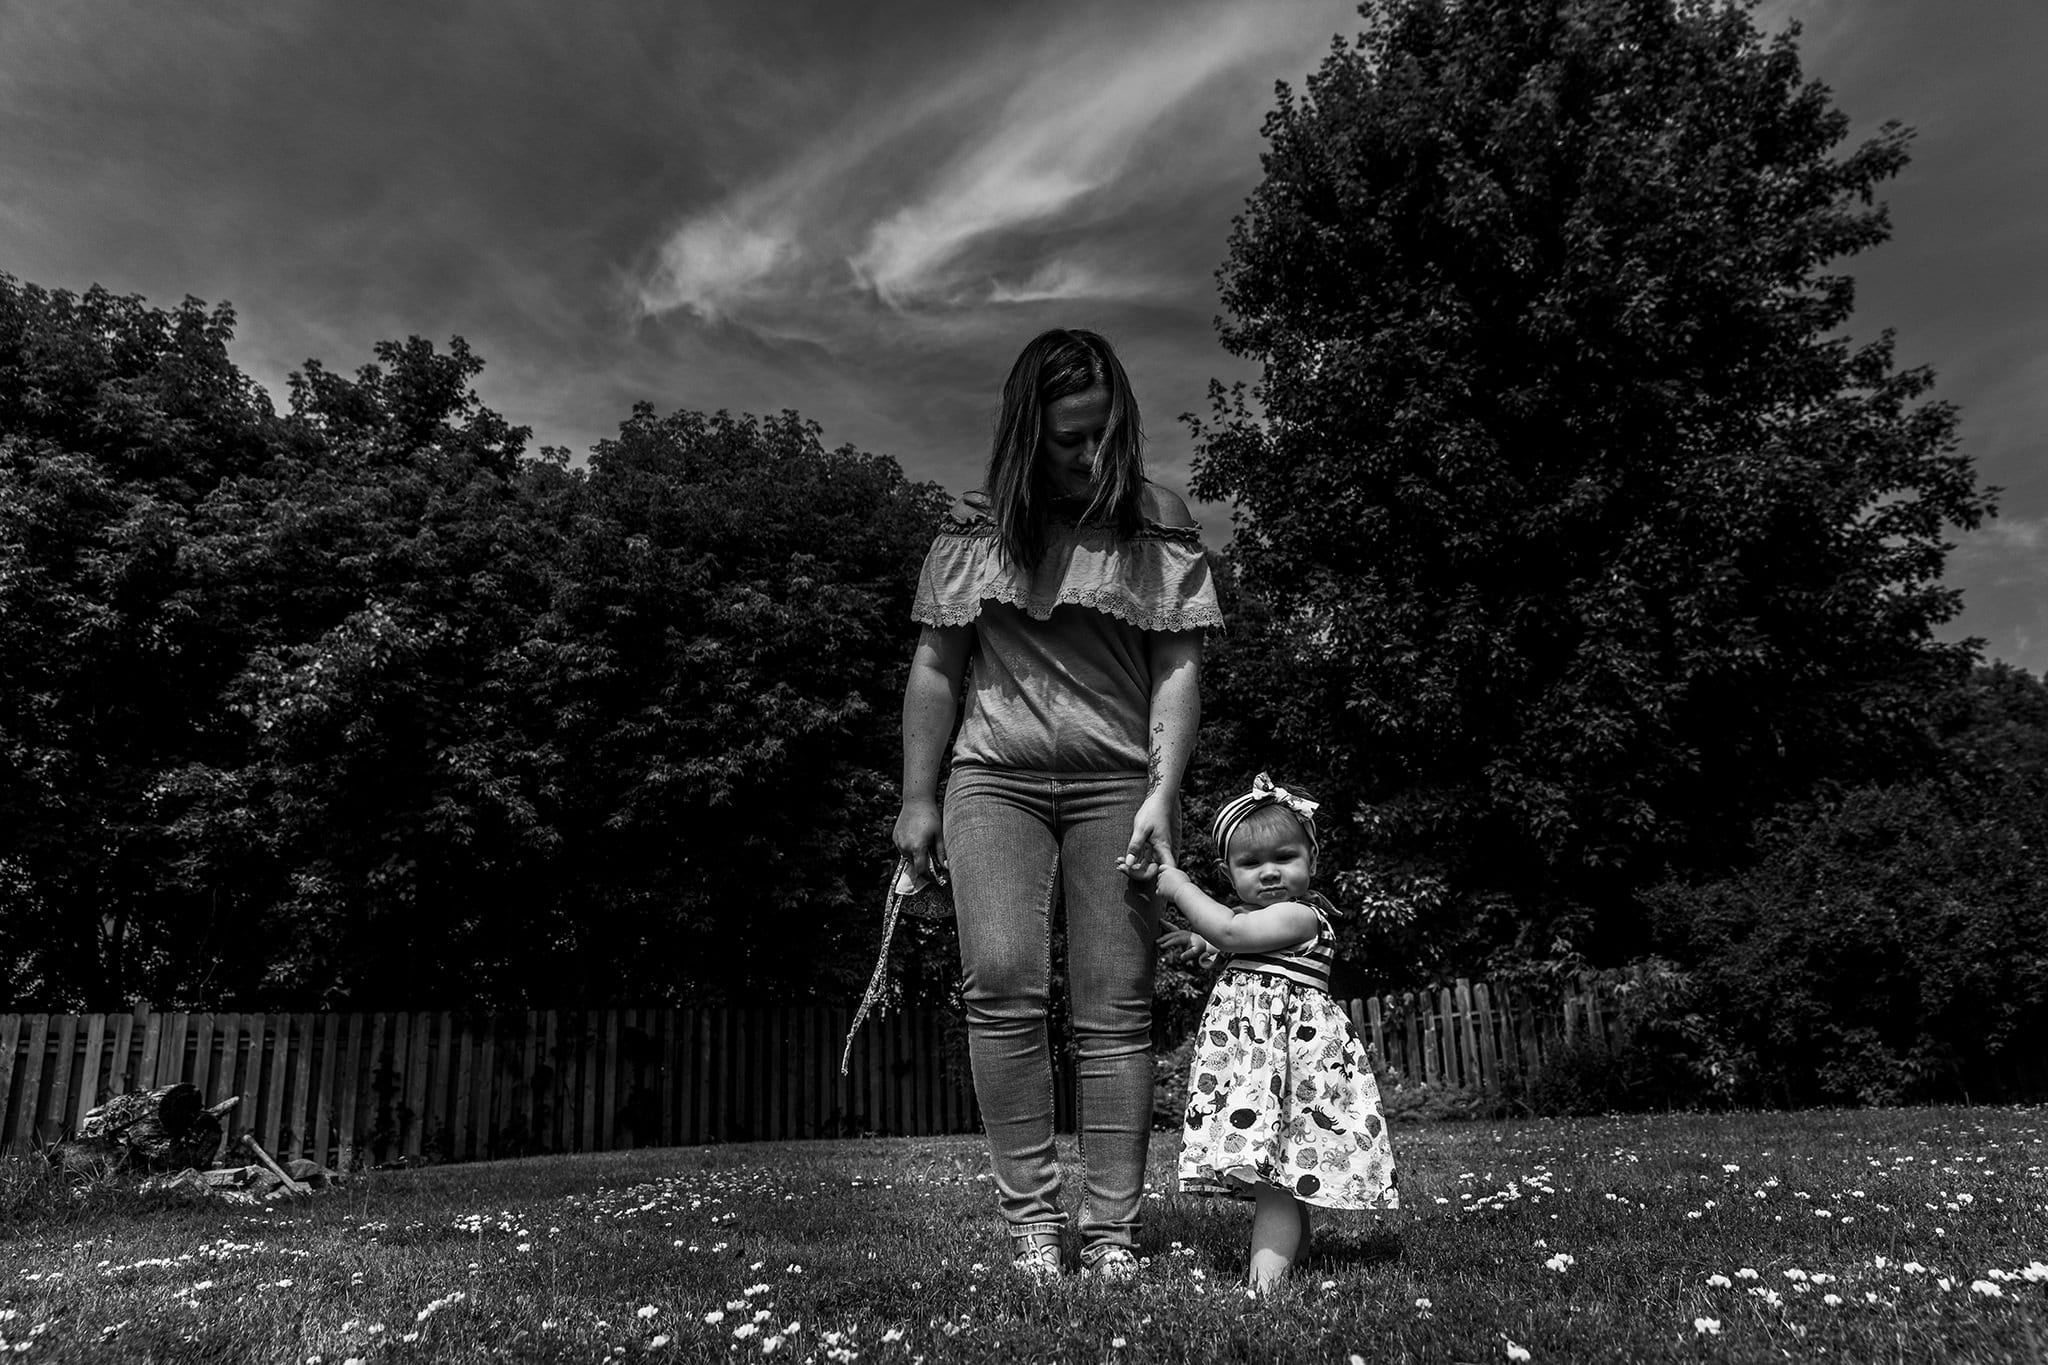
(1153, 773)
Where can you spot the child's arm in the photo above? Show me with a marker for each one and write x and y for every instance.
(1254, 931)
(1176, 943)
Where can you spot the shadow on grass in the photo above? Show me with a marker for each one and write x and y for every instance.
(1346, 1249)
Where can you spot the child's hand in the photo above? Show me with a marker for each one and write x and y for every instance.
(1144, 873)
(1184, 946)
(1146, 869)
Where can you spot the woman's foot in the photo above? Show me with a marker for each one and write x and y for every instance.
(1112, 1265)
(1036, 1258)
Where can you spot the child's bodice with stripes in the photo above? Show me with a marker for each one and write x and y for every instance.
(1306, 964)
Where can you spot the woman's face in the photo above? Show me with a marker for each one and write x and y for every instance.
(1072, 442)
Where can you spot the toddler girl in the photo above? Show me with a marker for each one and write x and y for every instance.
(1282, 1105)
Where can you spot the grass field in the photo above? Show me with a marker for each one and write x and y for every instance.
(1864, 1236)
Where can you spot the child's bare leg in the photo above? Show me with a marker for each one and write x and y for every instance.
(1301, 1253)
(1278, 1227)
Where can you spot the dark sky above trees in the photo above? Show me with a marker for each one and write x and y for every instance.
(859, 211)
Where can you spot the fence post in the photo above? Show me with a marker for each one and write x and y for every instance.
(1477, 1077)
(1489, 1056)
(118, 1073)
(27, 1105)
(1525, 1030)
(297, 1122)
(276, 1096)
(1432, 1052)
(1596, 1025)
(485, 1098)
(1447, 1034)
(146, 1060)
(348, 1110)
(50, 1126)
(88, 1070)
(408, 1080)
(10, 1038)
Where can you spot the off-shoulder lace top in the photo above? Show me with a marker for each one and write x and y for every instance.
(1156, 580)
(1059, 676)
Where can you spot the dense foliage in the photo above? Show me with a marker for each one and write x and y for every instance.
(359, 702)
(117, 421)
(1587, 539)
(1892, 942)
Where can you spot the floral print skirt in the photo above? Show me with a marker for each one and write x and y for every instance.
(1282, 1094)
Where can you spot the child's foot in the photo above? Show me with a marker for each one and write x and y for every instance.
(1268, 1272)
(1036, 1260)
(1112, 1265)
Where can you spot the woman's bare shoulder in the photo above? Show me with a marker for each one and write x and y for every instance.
(1164, 506)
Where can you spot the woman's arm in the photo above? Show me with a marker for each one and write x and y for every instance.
(1255, 931)
(1175, 658)
(929, 701)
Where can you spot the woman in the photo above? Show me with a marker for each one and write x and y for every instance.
(1071, 597)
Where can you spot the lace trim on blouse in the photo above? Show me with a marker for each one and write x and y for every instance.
(1157, 580)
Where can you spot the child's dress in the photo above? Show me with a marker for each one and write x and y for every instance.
(1282, 1093)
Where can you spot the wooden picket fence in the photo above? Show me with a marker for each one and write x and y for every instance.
(1474, 1037)
(373, 1088)
(344, 1088)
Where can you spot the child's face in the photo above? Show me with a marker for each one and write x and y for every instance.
(1267, 866)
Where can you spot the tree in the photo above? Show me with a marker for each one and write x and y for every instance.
(116, 420)
(725, 657)
(525, 733)
(393, 811)
(1587, 536)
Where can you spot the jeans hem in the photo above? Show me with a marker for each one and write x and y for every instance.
(1020, 1231)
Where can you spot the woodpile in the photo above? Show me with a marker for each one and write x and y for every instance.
(165, 1129)
(181, 1143)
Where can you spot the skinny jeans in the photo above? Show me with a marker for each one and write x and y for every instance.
(1013, 840)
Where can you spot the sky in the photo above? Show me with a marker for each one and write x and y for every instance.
(862, 211)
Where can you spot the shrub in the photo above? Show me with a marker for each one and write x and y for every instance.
(1403, 1101)
(1892, 946)
(1588, 1076)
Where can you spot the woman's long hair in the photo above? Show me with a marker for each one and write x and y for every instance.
(1058, 364)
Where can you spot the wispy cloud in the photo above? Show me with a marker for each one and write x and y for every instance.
(715, 260)
(933, 201)
(1065, 134)
(1067, 278)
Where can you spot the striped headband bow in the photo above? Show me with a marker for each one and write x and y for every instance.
(1263, 793)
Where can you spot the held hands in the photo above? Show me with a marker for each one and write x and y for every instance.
(1177, 945)
(1151, 847)
(1147, 869)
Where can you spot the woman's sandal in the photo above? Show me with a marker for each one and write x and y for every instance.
(1111, 1265)
(1036, 1260)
